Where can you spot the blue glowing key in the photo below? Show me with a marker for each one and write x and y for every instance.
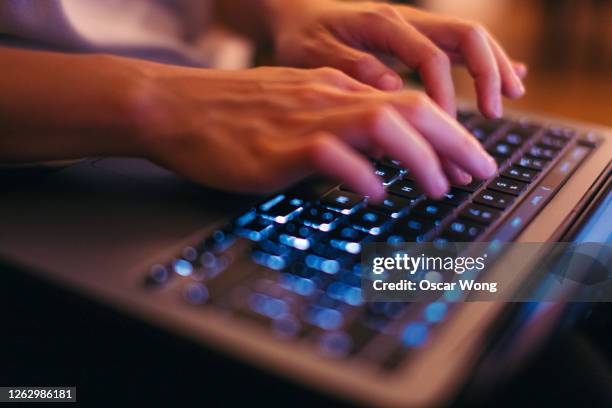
(435, 312)
(415, 334)
(182, 267)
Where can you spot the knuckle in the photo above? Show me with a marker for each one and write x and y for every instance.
(465, 145)
(437, 57)
(387, 10)
(328, 73)
(376, 117)
(419, 104)
(311, 93)
(475, 31)
(380, 13)
(363, 64)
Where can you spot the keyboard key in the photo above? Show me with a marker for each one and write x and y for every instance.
(275, 262)
(361, 335)
(281, 209)
(324, 317)
(370, 221)
(520, 174)
(478, 213)
(513, 139)
(500, 160)
(462, 231)
(393, 206)
(531, 163)
(391, 163)
(553, 142)
(320, 218)
(413, 227)
(502, 149)
(296, 236)
(348, 239)
(432, 210)
(195, 293)
(542, 152)
(335, 344)
(158, 275)
(406, 189)
(494, 199)
(454, 197)
(324, 249)
(323, 264)
(342, 201)
(387, 174)
(563, 132)
(484, 129)
(473, 186)
(255, 230)
(507, 186)
(219, 241)
(273, 248)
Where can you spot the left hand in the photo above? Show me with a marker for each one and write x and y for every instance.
(348, 35)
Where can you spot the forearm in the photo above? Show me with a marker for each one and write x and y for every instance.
(62, 106)
(256, 19)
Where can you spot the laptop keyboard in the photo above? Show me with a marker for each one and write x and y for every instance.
(292, 263)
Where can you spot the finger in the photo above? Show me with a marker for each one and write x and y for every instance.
(359, 65)
(339, 79)
(327, 155)
(520, 69)
(455, 174)
(482, 64)
(396, 37)
(445, 134)
(379, 128)
(512, 85)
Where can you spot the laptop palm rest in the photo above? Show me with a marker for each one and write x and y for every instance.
(105, 216)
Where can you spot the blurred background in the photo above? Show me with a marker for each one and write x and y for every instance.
(567, 45)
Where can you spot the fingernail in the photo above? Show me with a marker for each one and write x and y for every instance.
(466, 179)
(390, 82)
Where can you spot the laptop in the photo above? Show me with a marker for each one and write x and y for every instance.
(275, 282)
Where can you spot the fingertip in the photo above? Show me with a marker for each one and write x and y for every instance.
(488, 167)
(390, 81)
(515, 89)
(492, 109)
(438, 187)
(521, 70)
(464, 179)
(376, 192)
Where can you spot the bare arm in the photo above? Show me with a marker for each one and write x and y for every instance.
(62, 106)
(253, 130)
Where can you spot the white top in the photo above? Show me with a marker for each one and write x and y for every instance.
(171, 31)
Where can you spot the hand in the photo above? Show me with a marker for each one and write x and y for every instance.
(347, 35)
(263, 129)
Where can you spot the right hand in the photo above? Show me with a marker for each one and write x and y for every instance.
(261, 130)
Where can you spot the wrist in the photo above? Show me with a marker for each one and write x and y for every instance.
(143, 109)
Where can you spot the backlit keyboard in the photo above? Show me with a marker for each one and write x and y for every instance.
(292, 263)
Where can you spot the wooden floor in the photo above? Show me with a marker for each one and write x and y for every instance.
(566, 43)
